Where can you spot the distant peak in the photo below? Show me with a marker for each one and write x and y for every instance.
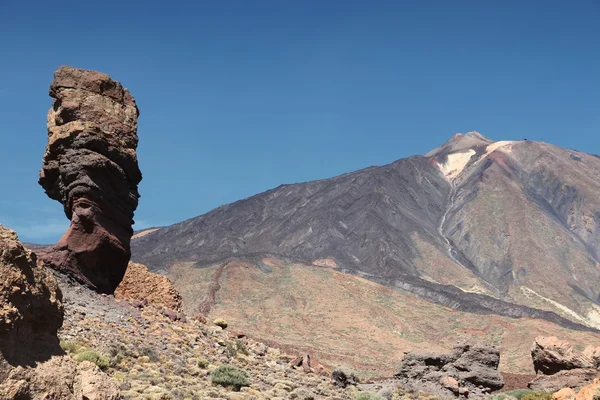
(460, 142)
(478, 135)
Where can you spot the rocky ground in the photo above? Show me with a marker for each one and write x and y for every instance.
(154, 357)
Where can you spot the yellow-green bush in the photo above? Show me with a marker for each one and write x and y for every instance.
(220, 322)
(93, 356)
(70, 347)
(537, 396)
(366, 396)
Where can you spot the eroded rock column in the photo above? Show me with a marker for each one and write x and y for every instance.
(90, 166)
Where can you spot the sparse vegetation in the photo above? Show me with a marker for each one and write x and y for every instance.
(229, 375)
(202, 363)
(150, 353)
(367, 396)
(521, 394)
(537, 396)
(231, 348)
(70, 347)
(93, 356)
(241, 347)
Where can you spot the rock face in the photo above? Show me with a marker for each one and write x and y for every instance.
(31, 310)
(559, 365)
(471, 370)
(90, 166)
(139, 284)
(32, 364)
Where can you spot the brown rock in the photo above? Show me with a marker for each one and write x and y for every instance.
(564, 394)
(571, 378)
(551, 355)
(31, 309)
(95, 384)
(143, 286)
(590, 392)
(90, 166)
(60, 378)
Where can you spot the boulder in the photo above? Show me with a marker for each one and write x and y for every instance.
(564, 394)
(90, 166)
(342, 378)
(551, 355)
(144, 287)
(569, 378)
(468, 370)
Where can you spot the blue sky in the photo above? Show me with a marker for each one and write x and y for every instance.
(237, 97)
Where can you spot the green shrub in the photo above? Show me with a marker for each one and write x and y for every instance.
(229, 375)
(366, 396)
(92, 356)
(70, 347)
(537, 396)
(202, 363)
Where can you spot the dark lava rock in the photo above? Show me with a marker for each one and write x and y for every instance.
(473, 368)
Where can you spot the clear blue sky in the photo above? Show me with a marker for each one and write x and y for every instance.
(239, 96)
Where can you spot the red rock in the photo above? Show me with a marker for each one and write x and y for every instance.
(236, 333)
(90, 166)
(142, 285)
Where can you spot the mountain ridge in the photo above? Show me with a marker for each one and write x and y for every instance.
(455, 216)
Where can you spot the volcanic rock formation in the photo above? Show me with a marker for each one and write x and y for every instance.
(559, 365)
(90, 166)
(468, 371)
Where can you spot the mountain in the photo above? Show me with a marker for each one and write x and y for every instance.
(509, 227)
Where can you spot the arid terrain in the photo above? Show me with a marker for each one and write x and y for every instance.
(351, 321)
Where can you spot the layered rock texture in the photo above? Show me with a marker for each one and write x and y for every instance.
(90, 166)
(469, 371)
(559, 365)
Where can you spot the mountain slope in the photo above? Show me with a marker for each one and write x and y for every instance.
(510, 224)
(346, 320)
